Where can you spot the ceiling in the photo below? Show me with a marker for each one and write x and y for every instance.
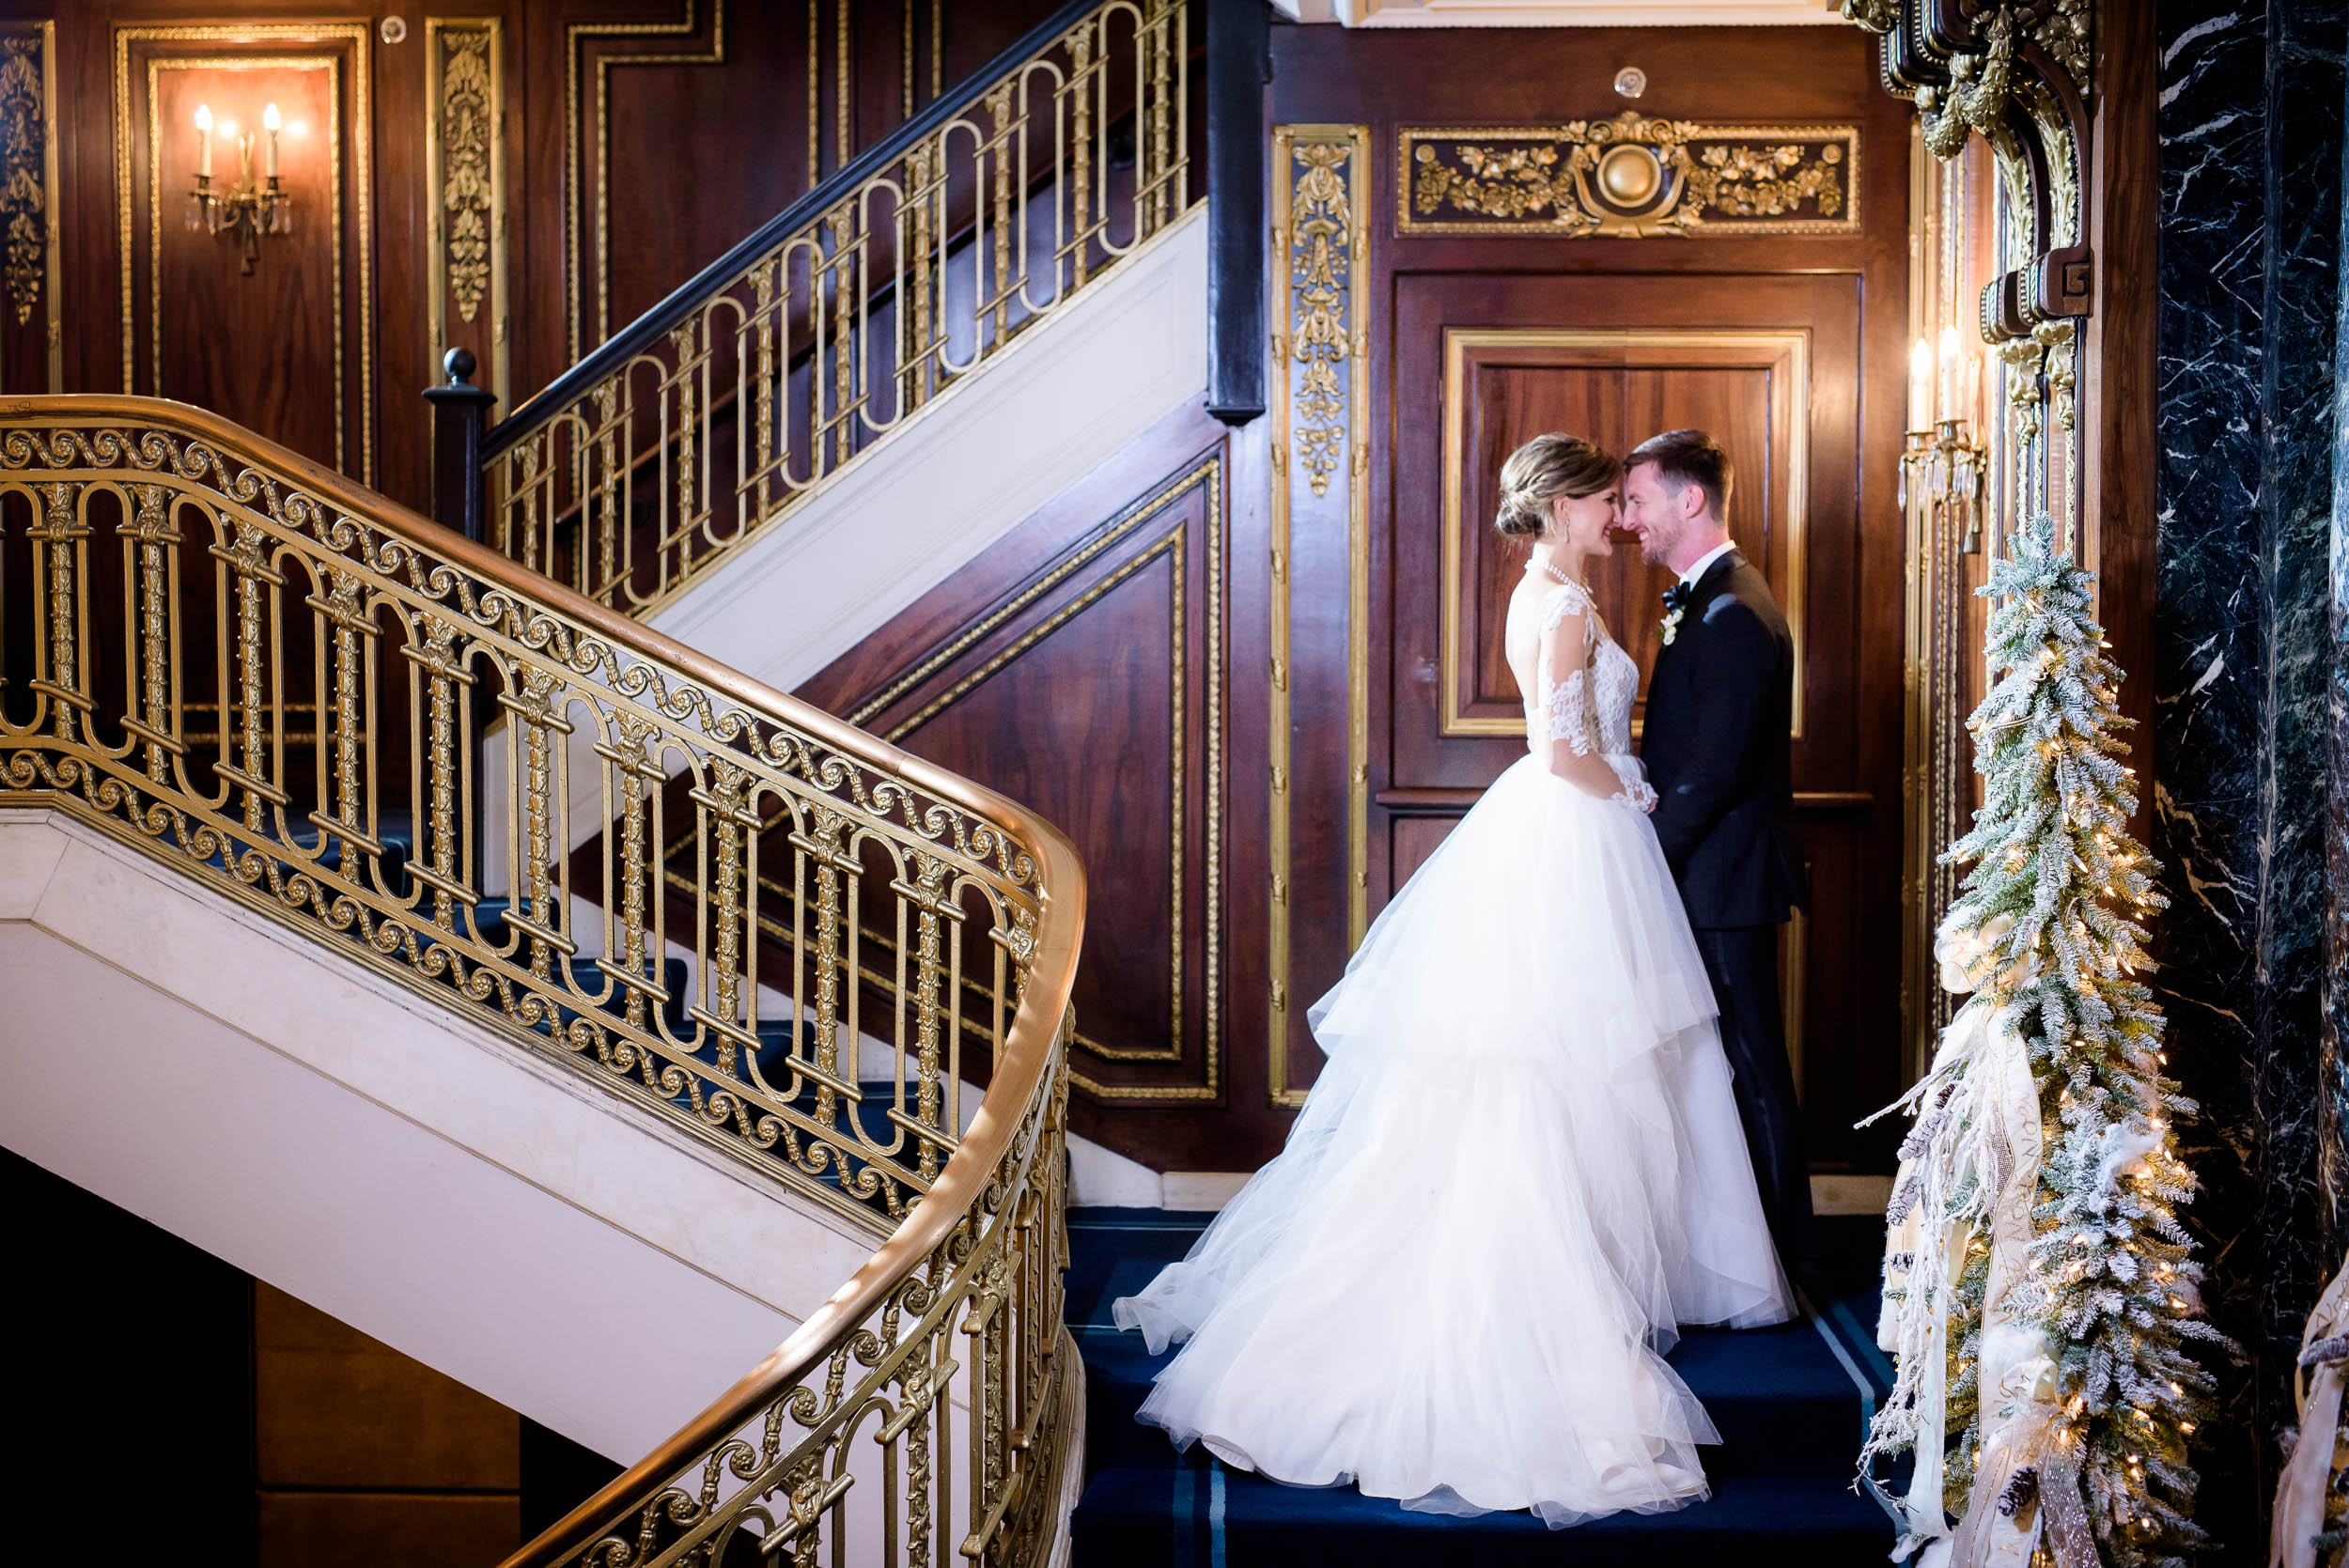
(1564, 13)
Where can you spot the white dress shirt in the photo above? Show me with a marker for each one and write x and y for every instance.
(1704, 562)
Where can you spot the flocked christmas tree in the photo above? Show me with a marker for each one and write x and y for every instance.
(2105, 1275)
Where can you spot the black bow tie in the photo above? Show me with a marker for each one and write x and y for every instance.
(1677, 595)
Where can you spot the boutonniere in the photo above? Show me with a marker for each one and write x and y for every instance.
(1675, 605)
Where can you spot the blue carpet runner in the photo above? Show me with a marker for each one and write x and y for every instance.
(1791, 1403)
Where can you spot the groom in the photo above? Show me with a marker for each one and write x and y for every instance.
(1720, 708)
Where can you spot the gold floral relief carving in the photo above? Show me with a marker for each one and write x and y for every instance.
(466, 126)
(1320, 254)
(23, 169)
(1631, 177)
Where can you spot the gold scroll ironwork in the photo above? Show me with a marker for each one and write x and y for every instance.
(338, 656)
(205, 539)
(815, 350)
(1629, 177)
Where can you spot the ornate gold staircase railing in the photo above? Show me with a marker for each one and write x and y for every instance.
(249, 668)
(715, 414)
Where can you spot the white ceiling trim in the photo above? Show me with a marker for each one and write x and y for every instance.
(1565, 13)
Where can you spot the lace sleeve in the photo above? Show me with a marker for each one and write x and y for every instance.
(1565, 705)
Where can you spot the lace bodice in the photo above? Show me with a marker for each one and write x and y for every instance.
(1592, 711)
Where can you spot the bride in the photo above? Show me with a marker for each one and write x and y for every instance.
(1521, 1168)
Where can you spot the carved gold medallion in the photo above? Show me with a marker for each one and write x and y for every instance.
(1629, 178)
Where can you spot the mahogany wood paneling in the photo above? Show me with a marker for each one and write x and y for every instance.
(1843, 294)
(2117, 391)
(640, 138)
(288, 350)
(1084, 665)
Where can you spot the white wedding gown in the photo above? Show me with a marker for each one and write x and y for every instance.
(1520, 1170)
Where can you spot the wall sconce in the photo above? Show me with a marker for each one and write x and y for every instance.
(1946, 466)
(247, 208)
(1941, 459)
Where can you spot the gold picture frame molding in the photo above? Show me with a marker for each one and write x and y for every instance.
(1790, 345)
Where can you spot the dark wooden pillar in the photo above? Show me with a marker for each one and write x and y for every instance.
(1240, 51)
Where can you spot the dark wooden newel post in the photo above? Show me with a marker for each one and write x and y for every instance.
(460, 411)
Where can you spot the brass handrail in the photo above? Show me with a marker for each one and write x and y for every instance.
(979, 1256)
(838, 321)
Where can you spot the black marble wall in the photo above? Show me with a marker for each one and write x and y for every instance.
(2246, 669)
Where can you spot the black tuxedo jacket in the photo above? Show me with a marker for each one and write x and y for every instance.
(1719, 706)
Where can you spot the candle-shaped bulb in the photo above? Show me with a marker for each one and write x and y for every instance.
(1920, 359)
(270, 117)
(204, 118)
(1949, 343)
(204, 124)
(270, 121)
(1920, 381)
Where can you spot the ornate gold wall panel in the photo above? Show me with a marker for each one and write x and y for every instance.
(1629, 177)
(30, 249)
(357, 37)
(465, 186)
(1320, 388)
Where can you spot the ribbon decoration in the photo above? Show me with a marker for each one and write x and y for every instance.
(1969, 1175)
(2027, 1487)
(2302, 1489)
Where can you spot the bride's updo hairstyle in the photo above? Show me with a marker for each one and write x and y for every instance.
(1544, 469)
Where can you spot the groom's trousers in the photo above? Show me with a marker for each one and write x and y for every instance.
(1742, 963)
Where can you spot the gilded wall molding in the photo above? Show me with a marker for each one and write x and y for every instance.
(2017, 74)
(1320, 393)
(30, 244)
(357, 36)
(1171, 546)
(1627, 178)
(465, 181)
(575, 37)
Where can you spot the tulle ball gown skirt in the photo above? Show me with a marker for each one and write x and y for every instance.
(1520, 1168)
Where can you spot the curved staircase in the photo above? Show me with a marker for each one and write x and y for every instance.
(236, 675)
